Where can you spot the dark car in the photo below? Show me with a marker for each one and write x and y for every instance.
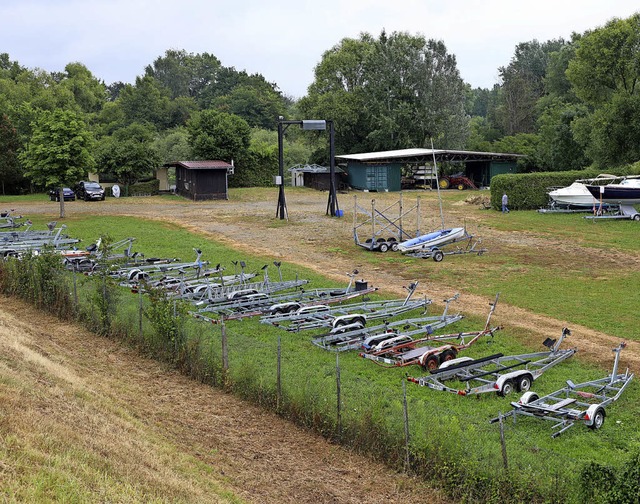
(89, 191)
(68, 194)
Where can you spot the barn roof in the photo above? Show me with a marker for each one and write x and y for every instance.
(426, 155)
(201, 165)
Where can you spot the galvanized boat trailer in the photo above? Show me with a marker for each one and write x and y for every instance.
(496, 373)
(584, 402)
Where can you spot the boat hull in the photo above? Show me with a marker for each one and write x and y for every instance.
(614, 193)
(575, 195)
(432, 240)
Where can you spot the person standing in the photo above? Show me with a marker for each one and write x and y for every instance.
(505, 202)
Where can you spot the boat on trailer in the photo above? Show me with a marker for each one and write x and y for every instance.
(625, 192)
(432, 240)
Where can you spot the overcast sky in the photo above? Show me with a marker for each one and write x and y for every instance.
(282, 39)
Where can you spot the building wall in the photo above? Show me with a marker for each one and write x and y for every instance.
(386, 177)
(202, 184)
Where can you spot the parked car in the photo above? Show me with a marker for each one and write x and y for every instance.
(68, 194)
(89, 191)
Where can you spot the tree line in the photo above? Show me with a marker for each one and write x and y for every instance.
(566, 104)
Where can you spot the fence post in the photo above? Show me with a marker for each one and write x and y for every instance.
(140, 313)
(406, 425)
(279, 377)
(503, 443)
(225, 352)
(75, 289)
(338, 396)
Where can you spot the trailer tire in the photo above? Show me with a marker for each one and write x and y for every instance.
(431, 363)
(636, 217)
(437, 255)
(598, 418)
(447, 355)
(383, 247)
(524, 383)
(394, 246)
(507, 388)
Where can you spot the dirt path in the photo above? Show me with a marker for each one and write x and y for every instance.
(108, 401)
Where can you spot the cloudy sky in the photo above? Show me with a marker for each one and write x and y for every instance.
(282, 39)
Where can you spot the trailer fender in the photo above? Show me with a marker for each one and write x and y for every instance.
(594, 416)
(520, 379)
(284, 307)
(344, 320)
(528, 397)
(342, 328)
(453, 362)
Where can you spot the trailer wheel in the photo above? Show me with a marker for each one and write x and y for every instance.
(447, 355)
(431, 363)
(437, 255)
(598, 418)
(507, 388)
(524, 383)
(636, 217)
(394, 246)
(383, 247)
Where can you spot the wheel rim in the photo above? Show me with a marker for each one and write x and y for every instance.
(525, 384)
(598, 420)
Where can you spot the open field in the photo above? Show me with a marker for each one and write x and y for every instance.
(551, 270)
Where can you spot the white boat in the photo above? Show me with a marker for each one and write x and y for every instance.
(577, 194)
(432, 240)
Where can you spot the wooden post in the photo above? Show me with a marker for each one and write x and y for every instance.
(406, 425)
(503, 443)
(338, 398)
(279, 377)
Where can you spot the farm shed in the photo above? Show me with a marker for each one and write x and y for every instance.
(314, 176)
(382, 171)
(202, 180)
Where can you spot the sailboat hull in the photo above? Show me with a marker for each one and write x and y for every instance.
(432, 240)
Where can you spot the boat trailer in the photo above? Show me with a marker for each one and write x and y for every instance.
(341, 338)
(420, 352)
(386, 230)
(472, 246)
(347, 316)
(584, 402)
(496, 373)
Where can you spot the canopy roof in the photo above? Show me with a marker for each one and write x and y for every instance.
(427, 155)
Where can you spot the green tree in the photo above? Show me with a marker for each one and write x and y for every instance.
(129, 154)
(259, 106)
(218, 135)
(10, 172)
(396, 91)
(173, 145)
(145, 102)
(523, 84)
(605, 74)
(59, 151)
(89, 93)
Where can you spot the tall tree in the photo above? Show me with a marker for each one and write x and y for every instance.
(129, 154)
(59, 151)
(392, 92)
(523, 84)
(605, 74)
(10, 172)
(218, 135)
